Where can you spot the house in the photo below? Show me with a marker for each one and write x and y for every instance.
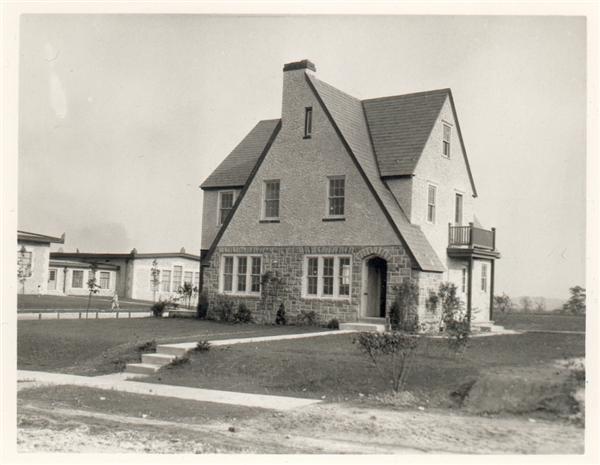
(33, 256)
(129, 274)
(342, 199)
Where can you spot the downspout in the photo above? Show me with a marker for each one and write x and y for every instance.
(469, 294)
(492, 291)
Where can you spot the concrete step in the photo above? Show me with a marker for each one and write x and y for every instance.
(172, 349)
(142, 368)
(487, 326)
(380, 328)
(157, 359)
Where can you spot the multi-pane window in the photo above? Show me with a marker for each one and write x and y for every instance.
(307, 122)
(188, 277)
(225, 205)
(312, 275)
(336, 195)
(484, 275)
(165, 281)
(177, 277)
(104, 280)
(242, 270)
(431, 194)
(24, 263)
(77, 279)
(344, 274)
(327, 277)
(228, 274)
(255, 276)
(197, 279)
(241, 274)
(52, 280)
(464, 280)
(446, 141)
(271, 207)
(458, 209)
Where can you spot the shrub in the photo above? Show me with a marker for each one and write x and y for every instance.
(456, 321)
(280, 318)
(179, 361)
(202, 346)
(404, 309)
(148, 346)
(221, 310)
(305, 318)
(333, 324)
(392, 354)
(159, 308)
(431, 304)
(202, 310)
(243, 314)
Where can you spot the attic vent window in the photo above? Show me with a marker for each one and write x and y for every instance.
(307, 122)
(446, 141)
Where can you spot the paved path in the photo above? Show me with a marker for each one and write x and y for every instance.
(118, 383)
(552, 331)
(80, 315)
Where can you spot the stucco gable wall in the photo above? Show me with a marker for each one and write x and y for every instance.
(450, 175)
(210, 212)
(302, 166)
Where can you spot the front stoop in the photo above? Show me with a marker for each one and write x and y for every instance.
(151, 363)
(487, 327)
(363, 326)
(142, 368)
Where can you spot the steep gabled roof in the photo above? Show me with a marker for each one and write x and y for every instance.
(235, 170)
(348, 118)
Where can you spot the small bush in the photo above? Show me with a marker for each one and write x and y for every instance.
(333, 324)
(280, 318)
(202, 346)
(202, 310)
(243, 314)
(455, 318)
(179, 361)
(305, 318)
(404, 309)
(159, 308)
(147, 347)
(221, 311)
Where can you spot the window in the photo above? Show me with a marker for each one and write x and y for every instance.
(51, 280)
(177, 275)
(458, 209)
(77, 279)
(484, 277)
(271, 196)
(446, 141)
(246, 278)
(197, 279)
(241, 274)
(327, 277)
(24, 263)
(464, 280)
(336, 195)
(431, 203)
(307, 122)
(104, 280)
(165, 281)
(188, 277)
(225, 205)
(228, 274)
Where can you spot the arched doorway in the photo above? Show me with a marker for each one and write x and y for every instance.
(374, 287)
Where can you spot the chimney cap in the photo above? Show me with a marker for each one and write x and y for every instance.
(302, 64)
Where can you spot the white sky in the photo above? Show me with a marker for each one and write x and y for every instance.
(122, 117)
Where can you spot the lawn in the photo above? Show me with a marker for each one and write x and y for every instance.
(103, 346)
(333, 367)
(27, 303)
(540, 321)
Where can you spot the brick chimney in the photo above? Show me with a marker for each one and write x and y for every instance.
(294, 91)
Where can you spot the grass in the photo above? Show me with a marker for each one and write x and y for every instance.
(71, 302)
(104, 346)
(333, 367)
(540, 321)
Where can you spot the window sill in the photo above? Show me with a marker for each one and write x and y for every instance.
(255, 295)
(307, 137)
(334, 218)
(274, 220)
(345, 299)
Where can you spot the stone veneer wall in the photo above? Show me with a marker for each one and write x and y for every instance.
(428, 281)
(287, 263)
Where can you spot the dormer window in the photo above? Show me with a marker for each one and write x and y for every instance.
(446, 141)
(307, 122)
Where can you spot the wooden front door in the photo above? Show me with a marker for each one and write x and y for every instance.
(376, 287)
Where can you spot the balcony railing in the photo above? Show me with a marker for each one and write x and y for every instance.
(471, 237)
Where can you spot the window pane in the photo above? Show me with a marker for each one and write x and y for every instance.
(344, 274)
(255, 278)
(458, 209)
(431, 194)
(197, 279)
(177, 276)
(272, 199)
(77, 281)
(242, 268)
(328, 276)
(165, 281)
(312, 275)
(228, 274)
(226, 205)
(336, 196)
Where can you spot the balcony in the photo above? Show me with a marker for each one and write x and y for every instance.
(466, 241)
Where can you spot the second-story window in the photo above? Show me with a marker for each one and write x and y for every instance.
(431, 194)
(446, 141)
(307, 122)
(336, 196)
(271, 200)
(458, 209)
(225, 205)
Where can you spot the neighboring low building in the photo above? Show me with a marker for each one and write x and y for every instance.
(129, 274)
(33, 256)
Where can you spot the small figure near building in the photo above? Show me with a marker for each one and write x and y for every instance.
(115, 302)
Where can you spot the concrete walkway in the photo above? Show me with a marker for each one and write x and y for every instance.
(118, 383)
(80, 315)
